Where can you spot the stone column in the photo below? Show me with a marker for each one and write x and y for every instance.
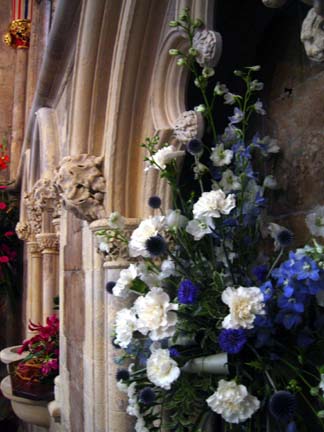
(34, 282)
(48, 244)
(118, 259)
(18, 117)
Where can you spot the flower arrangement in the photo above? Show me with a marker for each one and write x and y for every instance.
(41, 364)
(221, 325)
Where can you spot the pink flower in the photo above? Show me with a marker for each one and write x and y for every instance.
(48, 367)
(3, 205)
(4, 259)
(3, 187)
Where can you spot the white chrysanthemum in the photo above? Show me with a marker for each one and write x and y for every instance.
(233, 402)
(116, 221)
(230, 181)
(198, 228)
(244, 304)
(174, 219)
(162, 157)
(146, 229)
(161, 369)
(221, 157)
(156, 314)
(126, 277)
(315, 221)
(125, 325)
(213, 204)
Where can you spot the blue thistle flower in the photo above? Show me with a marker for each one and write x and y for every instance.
(109, 286)
(283, 405)
(194, 147)
(147, 396)
(154, 202)
(187, 292)
(285, 237)
(122, 375)
(232, 340)
(156, 245)
(174, 352)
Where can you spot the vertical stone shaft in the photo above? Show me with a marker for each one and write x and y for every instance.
(50, 282)
(18, 117)
(34, 289)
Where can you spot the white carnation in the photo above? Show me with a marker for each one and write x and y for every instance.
(213, 204)
(146, 229)
(244, 304)
(126, 277)
(156, 314)
(164, 156)
(221, 157)
(198, 228)
(233, 402)
(161, 369)
(125, 325)
(315, 221)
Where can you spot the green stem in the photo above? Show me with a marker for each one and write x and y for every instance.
(275, 262)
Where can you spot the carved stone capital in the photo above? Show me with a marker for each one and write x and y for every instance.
(34, 213)
(117, 255)
(47, 242)
(188, 126)
(81, 186)
(34, 248)
(23, 230)
(209, 45)
(312, 36)
(46, 196)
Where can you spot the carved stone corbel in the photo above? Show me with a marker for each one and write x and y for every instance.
(23, 231)
(81, 186)
(312, 36)
(209, 45)
(34, 215)
(188, 126)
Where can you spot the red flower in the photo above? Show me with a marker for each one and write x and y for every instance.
(9, 233)
(3, 205)
(3, 187)
(4, 259)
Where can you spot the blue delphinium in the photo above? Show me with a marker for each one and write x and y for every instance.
(260, 272)
(232, 340)
(187, 292)
(267, 290)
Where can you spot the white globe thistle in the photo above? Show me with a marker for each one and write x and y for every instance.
(147, 228)
(156, 315)
(161, 369)
(315, 221)
(123, 284)
(221, 157)
(233, 402)
(125, 325)
(213, 204)
(244, 304)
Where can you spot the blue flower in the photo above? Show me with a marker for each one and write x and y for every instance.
(283, 405)
(187, 292)
(154, 202)
(174, 352)
(147, 396)
(194, 147)
(216, 173)
(260, 272)
(288, 319)
(156, 245)
(232, 341)
(237, 117)
(267, 290)
(122, 374)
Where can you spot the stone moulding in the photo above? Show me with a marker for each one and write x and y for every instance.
(81, 186)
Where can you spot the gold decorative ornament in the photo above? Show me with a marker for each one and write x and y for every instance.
(18, 34)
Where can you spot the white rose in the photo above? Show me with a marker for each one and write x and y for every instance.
(244, 304)
(174, 219)
(198, 228)
(125, 325)
(156, 314)
(146, 229)
(121, 289)
(233, 402)
(161, 369)
(213, 204)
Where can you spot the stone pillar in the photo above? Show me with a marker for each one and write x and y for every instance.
(18, 117)
(48, 244)
(34, 288)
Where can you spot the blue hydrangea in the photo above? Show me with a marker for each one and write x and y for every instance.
(232, 340)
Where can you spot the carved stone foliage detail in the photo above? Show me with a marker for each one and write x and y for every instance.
(34, 213)
(23, 230)
(46, 195)
(312, 36)
(47, 241)
(209, 45)
(188, 126)
(81, 186)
